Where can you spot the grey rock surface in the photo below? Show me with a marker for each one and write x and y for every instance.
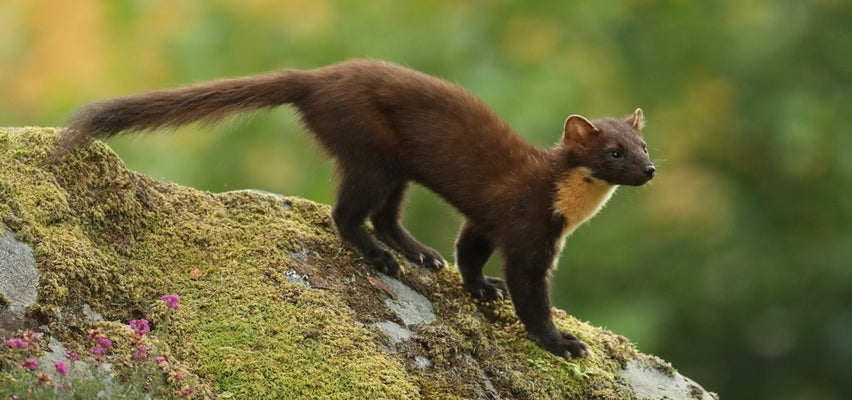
(395, 332)
(18, 275)
(652, 379)
(412, 307)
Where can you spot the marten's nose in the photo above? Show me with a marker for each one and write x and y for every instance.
(649, 171)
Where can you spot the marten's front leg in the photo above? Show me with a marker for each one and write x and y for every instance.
(526, 277)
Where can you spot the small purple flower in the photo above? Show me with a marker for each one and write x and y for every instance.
(141, 353)
(30, 364)
(61, 368)
(18, 343)
(159, 359)
(172, 300)
(71, 355)
(139, 326)
(102, 341)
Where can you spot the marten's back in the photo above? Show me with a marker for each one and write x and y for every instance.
(369, 115)
(383, 115)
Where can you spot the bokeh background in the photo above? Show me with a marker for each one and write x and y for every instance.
(735, 263)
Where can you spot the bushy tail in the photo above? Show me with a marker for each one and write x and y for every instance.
(204, 102)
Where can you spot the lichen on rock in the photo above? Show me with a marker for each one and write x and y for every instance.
(115, 241)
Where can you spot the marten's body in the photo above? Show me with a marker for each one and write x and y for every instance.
(387, 126)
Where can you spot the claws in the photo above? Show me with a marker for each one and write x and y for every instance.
(573, 346)
(426, 258)
(489, 289)
(385, 263)
(432, 261)
(563, 344)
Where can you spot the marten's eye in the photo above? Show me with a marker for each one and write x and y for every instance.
(645, 149)
(615, 154)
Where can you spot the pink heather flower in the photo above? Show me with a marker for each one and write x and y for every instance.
(30, 364)
(162, 365)
(139, 326)
(172, 300)
(16, 343)
(141, 353)
(71, 355)
(102, 341)
(61, 368)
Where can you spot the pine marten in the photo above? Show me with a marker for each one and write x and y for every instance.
(387, 126)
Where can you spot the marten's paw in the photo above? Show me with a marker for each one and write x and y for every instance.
(421, 255)
(429, 258)
(488, 289)
(564, 344)
(385, 263)
(413, 250)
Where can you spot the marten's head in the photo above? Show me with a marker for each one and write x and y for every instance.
(612, 149)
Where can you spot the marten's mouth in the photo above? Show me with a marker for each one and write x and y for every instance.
(643, 182)
(637, 180)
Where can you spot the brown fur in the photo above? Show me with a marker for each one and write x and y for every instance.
(387, 126)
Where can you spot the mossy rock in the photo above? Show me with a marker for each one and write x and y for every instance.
(273, 305)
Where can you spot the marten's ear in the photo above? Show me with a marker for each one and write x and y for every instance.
(578, 130)
(636, 120)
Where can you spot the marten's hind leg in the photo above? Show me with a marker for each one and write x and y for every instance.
(386, 221)
(472, 251)
(361, 193)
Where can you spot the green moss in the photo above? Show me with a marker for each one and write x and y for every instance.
(117, 240)
(486, 339)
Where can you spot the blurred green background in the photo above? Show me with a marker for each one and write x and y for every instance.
(733, 264)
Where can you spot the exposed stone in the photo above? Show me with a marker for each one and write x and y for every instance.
(412, 307)
(653, 379)
(18, 275)
(395, 332)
